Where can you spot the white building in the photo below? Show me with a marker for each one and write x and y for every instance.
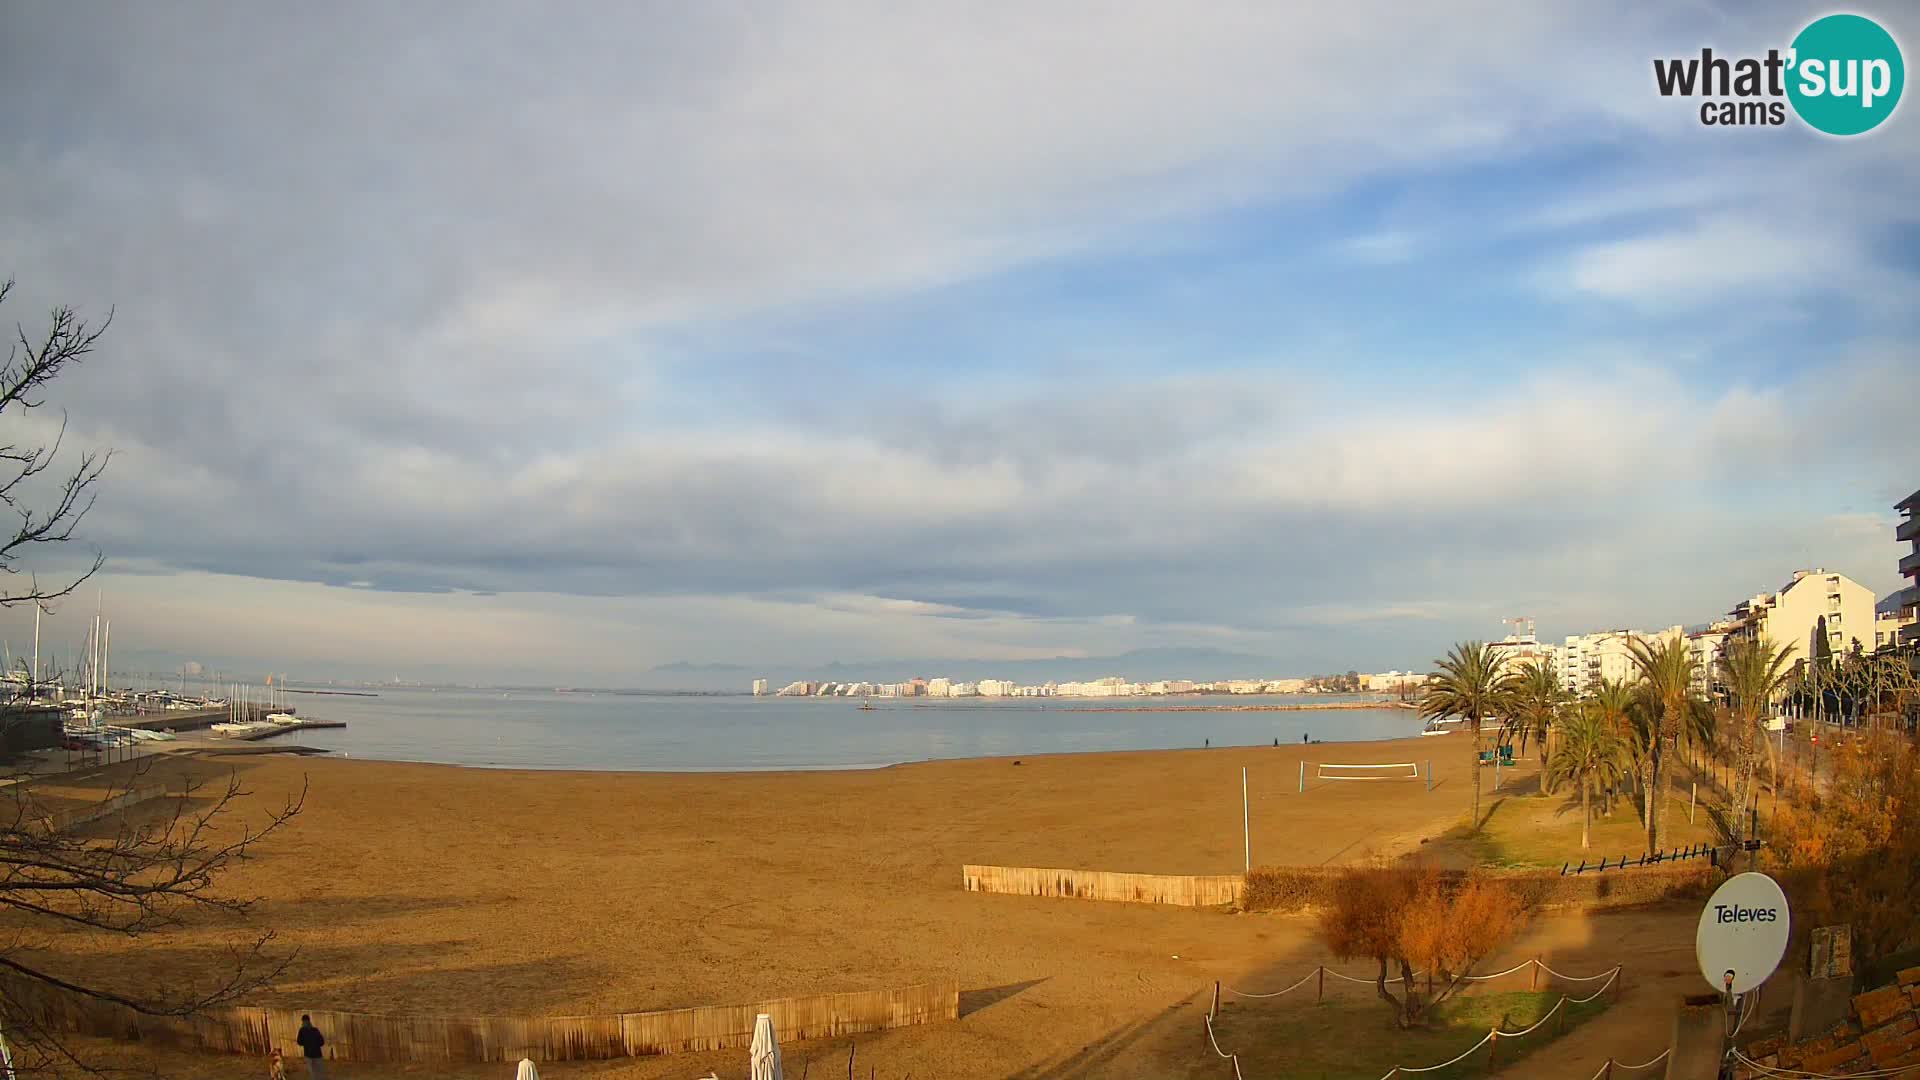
(939, 687)
(1390, 682)
(1814, 598)
(1707, 647)
(995, 688)
(1586, 660)
(1890, 622)
(1909, 530)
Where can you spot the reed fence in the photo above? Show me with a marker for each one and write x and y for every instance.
(90, 812)
(394, 1039)
(1186, 890)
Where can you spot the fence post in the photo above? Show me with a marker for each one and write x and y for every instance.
(1693, 796)
(1533, 975)
(1303, 776)
(1429, 774)
(1493, 1046)
(1609, 1072)
(1320, 992)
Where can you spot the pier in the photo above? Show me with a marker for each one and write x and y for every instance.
(282, 729)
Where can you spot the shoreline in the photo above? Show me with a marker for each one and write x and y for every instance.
(799, 769)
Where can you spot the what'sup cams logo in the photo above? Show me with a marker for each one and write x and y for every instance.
(1842, 75)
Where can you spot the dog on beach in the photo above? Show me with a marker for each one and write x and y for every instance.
(276, 1068)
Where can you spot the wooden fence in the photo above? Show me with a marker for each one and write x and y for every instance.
(390, 1039)
(1186, 890)
(81, 815)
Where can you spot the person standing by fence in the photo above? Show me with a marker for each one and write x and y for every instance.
(311, 1041)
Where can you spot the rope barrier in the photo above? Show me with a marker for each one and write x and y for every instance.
(1234, 1058)
(1611, 1064)
(1363, 982)
(1574, 978)
(1521, 966)
(1276, 993)
(1797, 1074)
(1488, 1037)
(1657, 1059)
(1492, 1034)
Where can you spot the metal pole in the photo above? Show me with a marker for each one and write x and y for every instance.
(1429, 774)
(1303, 776)
(1693, 796)
(1246, 821)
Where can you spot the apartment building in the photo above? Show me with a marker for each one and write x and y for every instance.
(1586, 660)
(1909, 530)
(1812, 600)
(1707, 646)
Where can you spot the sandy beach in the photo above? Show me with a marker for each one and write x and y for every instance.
(439, 890)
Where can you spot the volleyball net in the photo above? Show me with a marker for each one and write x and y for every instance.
(1395, 770)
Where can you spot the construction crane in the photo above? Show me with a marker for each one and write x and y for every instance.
(1522, 627)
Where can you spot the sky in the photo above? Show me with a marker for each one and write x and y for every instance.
(514, 342)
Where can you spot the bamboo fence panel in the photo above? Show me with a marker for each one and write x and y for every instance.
(391, 1039)
(1186, 890)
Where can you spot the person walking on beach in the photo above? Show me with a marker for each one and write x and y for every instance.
(311, 1041)
(1303, 738)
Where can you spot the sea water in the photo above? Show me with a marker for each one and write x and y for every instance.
(620, 731)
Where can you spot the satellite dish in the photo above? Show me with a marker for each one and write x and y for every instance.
(1743, 933)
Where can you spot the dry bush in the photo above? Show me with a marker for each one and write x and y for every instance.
(1851, 853)
(1308, 888)
(1412, 917)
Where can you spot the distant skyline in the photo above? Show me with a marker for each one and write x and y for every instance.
(495, 351)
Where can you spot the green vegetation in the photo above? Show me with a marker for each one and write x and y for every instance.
(1590, 755)
(1536, 707)
(1351, 1039)
(1672, 712)
(1472, 683)
(1522, 832)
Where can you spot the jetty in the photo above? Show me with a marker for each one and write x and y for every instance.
(281, 729)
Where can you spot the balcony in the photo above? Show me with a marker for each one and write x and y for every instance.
(1908, 529)
(1910, 565)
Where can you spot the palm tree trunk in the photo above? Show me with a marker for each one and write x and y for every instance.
(1586, 817)
(1663, 797)
(1647, 803)
(1474, 824)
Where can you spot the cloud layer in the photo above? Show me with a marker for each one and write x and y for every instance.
(798, 330)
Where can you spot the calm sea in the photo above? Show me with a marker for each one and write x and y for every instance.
(544, 730)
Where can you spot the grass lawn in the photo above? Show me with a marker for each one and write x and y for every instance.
(1523, 829)
(1353, 1038)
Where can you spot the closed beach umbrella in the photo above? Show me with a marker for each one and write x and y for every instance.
(527, 1071)
(764, 1058)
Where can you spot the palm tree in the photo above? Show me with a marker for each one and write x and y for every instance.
(1538, 699)
(1756, 671)
(1612, 700)
(1470, 682)
(1589, 753)
(1666, 672)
